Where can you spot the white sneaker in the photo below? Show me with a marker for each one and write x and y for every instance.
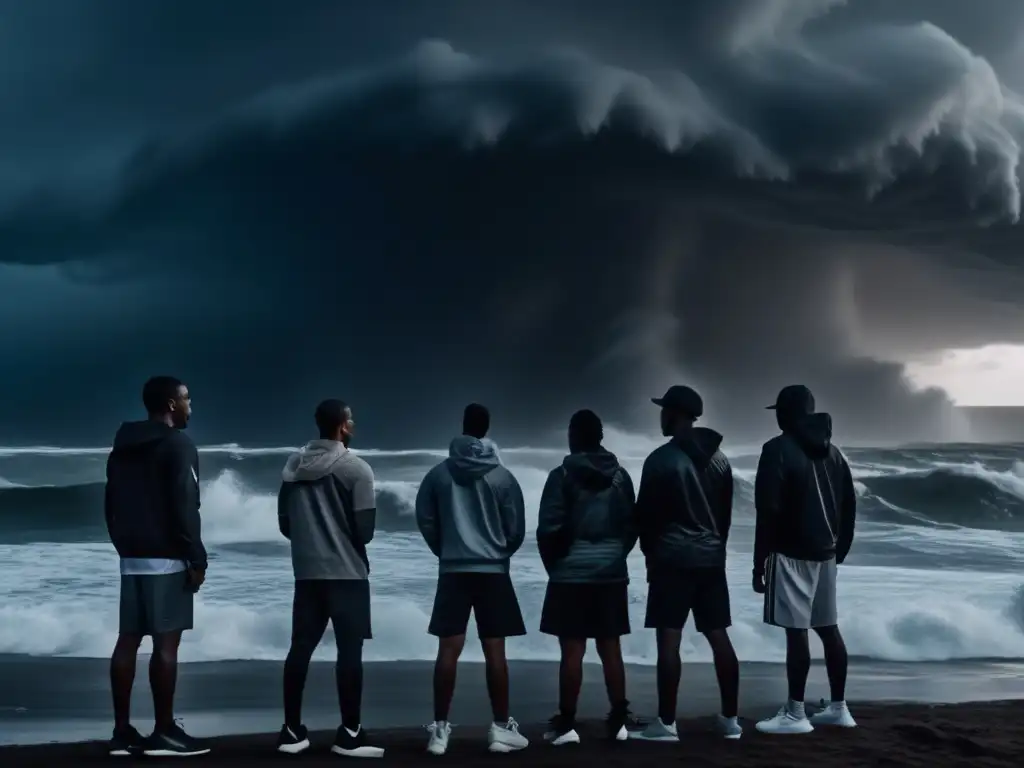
(439, 733)
(834, 714)
(657, 731)
(506, 738)
(786, 722)
(729, 727)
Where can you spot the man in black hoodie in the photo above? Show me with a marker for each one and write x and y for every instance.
(806, 507)
(152, 515)
(585, 530)
(684, 511)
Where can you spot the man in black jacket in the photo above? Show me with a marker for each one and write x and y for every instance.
(586, 529)
(806, 507)
(684, 511)
(152, 514)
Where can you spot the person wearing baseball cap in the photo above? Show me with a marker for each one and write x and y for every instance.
(806, 508)
(684, 511)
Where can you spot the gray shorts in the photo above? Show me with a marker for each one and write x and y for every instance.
(800, 594)
(155, 604)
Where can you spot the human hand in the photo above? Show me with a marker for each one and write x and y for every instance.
(758, 582)
(196, 577)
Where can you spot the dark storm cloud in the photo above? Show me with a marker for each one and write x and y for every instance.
(539, 207)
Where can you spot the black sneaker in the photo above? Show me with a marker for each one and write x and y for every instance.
(174, 742)
(561, 731)
(126, 742)
(621, 724)
(355, 744)
(292, 741)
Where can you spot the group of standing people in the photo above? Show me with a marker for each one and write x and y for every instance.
(471, 513)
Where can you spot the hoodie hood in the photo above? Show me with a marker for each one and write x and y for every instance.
(592, 470)
(315, 460)
(470, 459)
(141, 435)
(813, 432)
(699, 443)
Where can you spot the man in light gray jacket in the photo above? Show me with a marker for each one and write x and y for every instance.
(326, 508)
(470, 511)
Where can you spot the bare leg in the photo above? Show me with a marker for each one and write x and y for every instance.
(163, 677)
(670, 669)
(496, 666)
(122, 677)
(798, 663)
(727, 668)
(609, 649)
(836, 660)
(449, 649)
(570, 674)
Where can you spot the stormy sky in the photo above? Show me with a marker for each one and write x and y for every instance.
(539, 204)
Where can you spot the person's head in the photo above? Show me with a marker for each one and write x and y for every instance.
(681, 406)
(167, 400)
(476, 421)
(334, 420)
(585, 432)
(793, 402)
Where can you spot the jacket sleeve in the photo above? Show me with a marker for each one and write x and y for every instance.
(847, 512)
(513, 515)
(630, 530)
(427, 517)
(364, 504)
(725, 513)
(283, 520)
(768, 488)
(646, 508)
(552, 534)
(183, 477)
(108, 505)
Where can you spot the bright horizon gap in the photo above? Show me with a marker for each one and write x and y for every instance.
(992, 375)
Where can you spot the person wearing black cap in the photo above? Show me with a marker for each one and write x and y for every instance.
(684, 511)
(806, 507)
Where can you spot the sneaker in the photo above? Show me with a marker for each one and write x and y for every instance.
(125, 742)
(621, 724)
(786, 722)
(728, 727)
(292, 741)
(354, 743)
(439, 732)
(657, 731)
(506, 738)
(834, 714)
(561, 731)
(174, 742)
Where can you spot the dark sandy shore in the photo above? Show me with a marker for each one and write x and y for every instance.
(931, 736)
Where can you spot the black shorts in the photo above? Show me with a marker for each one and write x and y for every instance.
(345, 603)
(674, 593)
(590, 611)
(154, 604)
(491, 598)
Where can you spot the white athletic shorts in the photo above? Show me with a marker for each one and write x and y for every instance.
(800, 594)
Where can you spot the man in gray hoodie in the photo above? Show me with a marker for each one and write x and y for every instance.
(326, 508)
(470, 511)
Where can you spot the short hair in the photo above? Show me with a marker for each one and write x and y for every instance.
(158, 391)
(586, 430)
(476, 421)
(331, 415)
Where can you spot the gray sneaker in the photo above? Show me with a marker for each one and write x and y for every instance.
(728, 727)
(657, 731)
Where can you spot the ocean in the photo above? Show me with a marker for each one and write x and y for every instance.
(935, 573)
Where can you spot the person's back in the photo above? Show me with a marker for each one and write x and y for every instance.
(327, 509)
(684, 512)
(805, 506)
(469, 509)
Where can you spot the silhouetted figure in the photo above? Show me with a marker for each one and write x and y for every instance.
(684, 511)
(470, 511)
(152, 514)
(585, 530)
(327, 509)
(806, 508)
